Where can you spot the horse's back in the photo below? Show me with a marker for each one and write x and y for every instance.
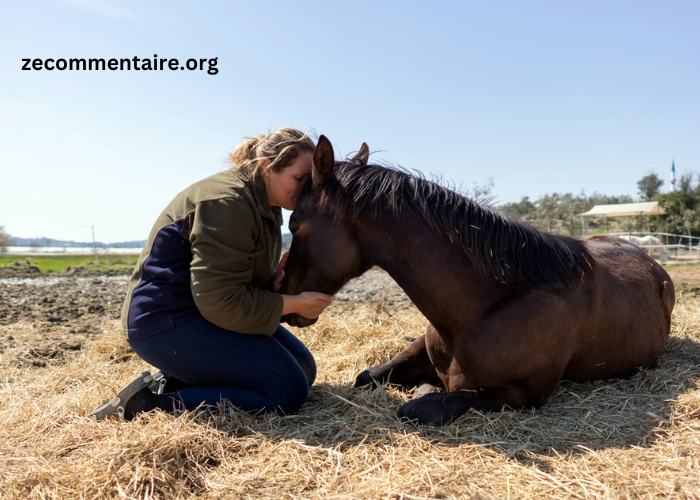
(628, 320)
(628, 265)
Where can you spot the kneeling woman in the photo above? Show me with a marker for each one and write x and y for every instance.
(203, 304)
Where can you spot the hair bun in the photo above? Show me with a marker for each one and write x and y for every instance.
(281, 147)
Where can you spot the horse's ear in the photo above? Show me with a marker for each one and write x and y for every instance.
(362, 155)
(324, 161)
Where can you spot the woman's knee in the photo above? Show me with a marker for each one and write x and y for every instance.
(308, 365)
(295, 395)
(301, 354)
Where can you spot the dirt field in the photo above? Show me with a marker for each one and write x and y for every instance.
(61, 354)
(66, 311)
(687, 281)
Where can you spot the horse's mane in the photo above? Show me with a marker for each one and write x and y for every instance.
(507, 250)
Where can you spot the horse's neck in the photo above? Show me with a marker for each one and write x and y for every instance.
(434, 272)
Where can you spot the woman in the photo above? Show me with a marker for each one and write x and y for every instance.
(203, 304)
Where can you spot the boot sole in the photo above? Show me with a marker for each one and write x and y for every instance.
(115, 407)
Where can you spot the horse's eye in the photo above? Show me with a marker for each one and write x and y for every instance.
(293, 229)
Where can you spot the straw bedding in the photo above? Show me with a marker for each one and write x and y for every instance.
(633, 438)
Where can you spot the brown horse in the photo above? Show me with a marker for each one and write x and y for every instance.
(512, 310)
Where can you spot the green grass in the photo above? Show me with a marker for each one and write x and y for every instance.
(691, 264)
(59, 263)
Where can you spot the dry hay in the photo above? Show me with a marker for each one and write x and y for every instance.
(633, 438)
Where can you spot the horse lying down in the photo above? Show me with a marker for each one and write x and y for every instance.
(512, 310)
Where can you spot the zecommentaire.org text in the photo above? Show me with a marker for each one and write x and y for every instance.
(133, 64)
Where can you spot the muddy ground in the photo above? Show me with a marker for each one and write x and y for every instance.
(44, 319)
(59, 313)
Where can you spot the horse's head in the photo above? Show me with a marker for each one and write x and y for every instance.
(325, 253)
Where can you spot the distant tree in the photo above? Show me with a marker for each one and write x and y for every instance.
(649, 186)
(523, 208)
(481, 193)
(35, 244)
(5, 239)
(549, 210)
(682, 207)
(571, 207)
(690, 221)
(604, 199)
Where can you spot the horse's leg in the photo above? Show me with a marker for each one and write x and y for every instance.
(410, 367)
(443, 408)
(512, 357)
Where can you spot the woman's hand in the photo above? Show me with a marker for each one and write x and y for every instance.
(279, 274)
(309, 305)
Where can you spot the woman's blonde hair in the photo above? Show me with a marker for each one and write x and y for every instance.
(281, 147)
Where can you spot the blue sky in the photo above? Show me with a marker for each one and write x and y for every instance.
(540, 96)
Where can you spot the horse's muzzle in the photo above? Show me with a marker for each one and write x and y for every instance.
(298, 321)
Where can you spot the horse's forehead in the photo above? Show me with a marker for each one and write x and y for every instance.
(307, 204)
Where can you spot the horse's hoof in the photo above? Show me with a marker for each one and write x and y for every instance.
(365, 380)
(427, 410)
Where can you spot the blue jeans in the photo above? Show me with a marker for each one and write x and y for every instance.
(254, 372)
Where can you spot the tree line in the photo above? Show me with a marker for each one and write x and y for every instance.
(558, 213)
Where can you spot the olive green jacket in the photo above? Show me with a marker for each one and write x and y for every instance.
(213, 251)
